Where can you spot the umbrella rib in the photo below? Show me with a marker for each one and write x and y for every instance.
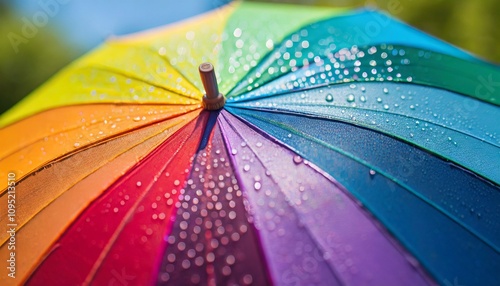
(379, 171)
(308, 231)
(3, 192)
(79, 127)
(283, 111)
(126, 219)
(322, 85)
(95, 103)
(67, 156)
(263, 84)
(156, 85)
(408, 116)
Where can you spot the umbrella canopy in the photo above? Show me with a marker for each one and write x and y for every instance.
(351, 149)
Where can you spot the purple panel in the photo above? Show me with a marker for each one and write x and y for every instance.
(312, 232)
(212, 241)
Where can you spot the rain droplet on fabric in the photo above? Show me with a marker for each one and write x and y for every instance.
(350, 98)
(257, 186)
(247, 279)
(297, 159)
(329, 98)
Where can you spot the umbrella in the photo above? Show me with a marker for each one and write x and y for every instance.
(343, 147)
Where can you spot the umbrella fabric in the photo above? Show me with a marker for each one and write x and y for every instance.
(353, 149)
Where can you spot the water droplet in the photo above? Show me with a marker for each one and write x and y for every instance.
(372, 172)
(230, 260)
(386, 107)
(226, 270)
(247, 279)
(386, 90)
(297, 159)
(257, 186)
(234, 151)
(350, 98)
(237, 32)
(138, 183)
(246, 168)
(362, 98)
(329, 98)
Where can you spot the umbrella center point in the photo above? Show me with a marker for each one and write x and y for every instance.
(212, 99)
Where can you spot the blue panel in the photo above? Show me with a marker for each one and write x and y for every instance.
(461, 129)
(445, 216)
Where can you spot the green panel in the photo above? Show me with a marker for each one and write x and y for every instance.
(254, 29)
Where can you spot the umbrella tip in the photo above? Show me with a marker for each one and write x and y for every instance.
(213, 99)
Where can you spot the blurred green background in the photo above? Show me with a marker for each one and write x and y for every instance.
(471, 25)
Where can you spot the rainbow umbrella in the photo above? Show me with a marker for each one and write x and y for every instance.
(350, 149)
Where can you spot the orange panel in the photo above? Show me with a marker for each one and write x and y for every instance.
(44, 137)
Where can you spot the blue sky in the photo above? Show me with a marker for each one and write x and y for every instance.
(87, 23)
